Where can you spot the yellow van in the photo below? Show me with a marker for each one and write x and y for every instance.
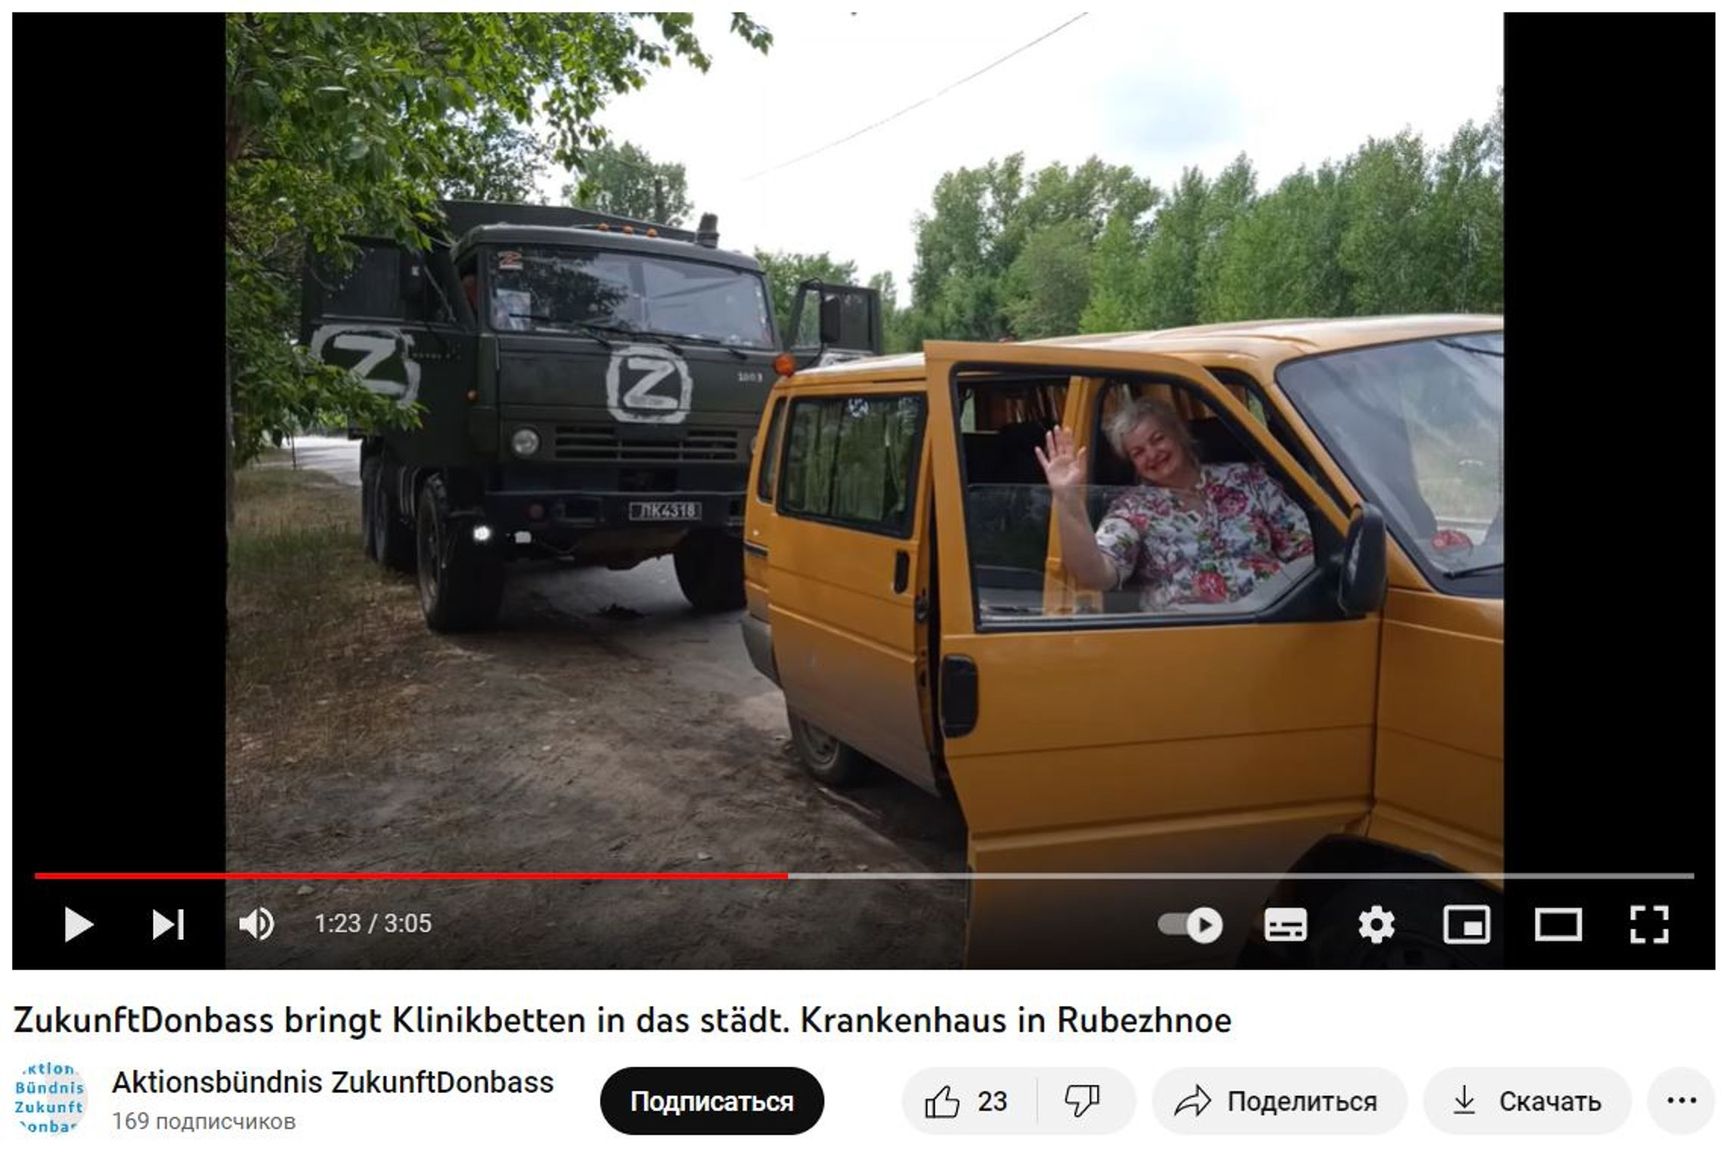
(1144, 770)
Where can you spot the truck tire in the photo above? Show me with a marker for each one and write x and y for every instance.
(711, 569)
(393, 543)
(369, 486)
(827, 758)
(461, 583)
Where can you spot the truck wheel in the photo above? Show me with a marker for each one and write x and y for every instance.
(461, 583)
(711, 568)
(827, 758)
(393, 544)
(369, 485)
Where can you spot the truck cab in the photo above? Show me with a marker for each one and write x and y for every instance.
(588, 387)
(1121, 766)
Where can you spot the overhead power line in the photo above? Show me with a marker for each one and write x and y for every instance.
(923, 101)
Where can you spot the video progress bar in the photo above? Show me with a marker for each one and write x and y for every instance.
(887, 875)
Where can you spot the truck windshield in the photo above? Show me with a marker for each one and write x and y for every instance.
(569, 289)
(1418, 426)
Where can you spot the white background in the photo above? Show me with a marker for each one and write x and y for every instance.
(1635, 1024)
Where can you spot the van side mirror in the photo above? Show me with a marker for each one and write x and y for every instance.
(1364, 563)
(829, 319)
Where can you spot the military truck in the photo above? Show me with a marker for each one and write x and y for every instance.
(590, 387)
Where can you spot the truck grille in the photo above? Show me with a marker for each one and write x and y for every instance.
(603, 442)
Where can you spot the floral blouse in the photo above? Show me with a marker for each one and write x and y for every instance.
(1215, 554)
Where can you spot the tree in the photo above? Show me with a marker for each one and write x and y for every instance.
(494, 160)
(786, 270)
(623, 179)
(900, 334)
(341, 123)
(1047, 286)
(967, 282)
(1169, 274)
(1116, 301)
(1383, 246)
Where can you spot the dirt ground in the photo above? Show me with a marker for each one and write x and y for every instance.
(581, 735)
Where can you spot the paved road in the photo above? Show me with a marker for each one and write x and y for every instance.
(338, 456)
(643, 606)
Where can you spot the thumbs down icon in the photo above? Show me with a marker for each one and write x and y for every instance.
(1081, 1097)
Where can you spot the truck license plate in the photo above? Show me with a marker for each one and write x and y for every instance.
(666, 511)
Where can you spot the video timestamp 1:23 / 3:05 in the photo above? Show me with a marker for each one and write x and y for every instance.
(367, 923)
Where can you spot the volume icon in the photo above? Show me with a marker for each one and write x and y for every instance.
(259, 923)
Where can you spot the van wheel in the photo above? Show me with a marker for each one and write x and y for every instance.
(461, 583)
(711, 569)
(827, 758)
(393, 544)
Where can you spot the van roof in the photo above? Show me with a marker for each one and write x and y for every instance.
(1268, 341)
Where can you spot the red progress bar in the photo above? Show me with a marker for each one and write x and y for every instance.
(516, 875)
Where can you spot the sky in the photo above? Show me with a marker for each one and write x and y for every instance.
(1156, 88)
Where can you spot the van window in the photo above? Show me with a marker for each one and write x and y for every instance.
(771, 456)
(1006, 502)
(851, 461)
(1223, 539)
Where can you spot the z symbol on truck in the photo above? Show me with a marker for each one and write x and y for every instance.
(379, 357)
(642, 388)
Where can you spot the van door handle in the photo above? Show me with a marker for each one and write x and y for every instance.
(900, 582)
(958, 695)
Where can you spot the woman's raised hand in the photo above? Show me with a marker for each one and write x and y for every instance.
(1062, 461)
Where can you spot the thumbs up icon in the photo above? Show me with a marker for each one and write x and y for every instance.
(942, 1106)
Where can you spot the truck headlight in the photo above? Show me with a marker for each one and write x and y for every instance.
(525, 442)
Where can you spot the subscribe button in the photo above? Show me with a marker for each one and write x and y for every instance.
(711, 1101)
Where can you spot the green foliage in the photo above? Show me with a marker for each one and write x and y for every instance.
(786, 270)
(338, 123)
(1115, 281)
(493, 160)
(1047, 286)
(966, 281)
(1393, 228)
(623, 179)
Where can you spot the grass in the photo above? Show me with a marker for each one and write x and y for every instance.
(321, 640)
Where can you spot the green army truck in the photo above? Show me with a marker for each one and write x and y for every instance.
(590, 387)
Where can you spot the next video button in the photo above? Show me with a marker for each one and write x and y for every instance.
(711, 1101)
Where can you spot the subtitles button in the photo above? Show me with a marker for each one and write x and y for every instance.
(711, 1101)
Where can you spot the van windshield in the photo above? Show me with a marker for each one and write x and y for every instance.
(568, 289)
(1418, 426)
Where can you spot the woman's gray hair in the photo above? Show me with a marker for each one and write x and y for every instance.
(1145, 408)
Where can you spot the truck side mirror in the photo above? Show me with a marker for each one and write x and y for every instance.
(829, 319)
(1364, 562)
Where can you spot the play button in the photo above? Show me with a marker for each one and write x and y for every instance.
(1203, 925)
(76, 923)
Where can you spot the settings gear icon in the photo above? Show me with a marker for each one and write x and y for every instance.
(1376, 924)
